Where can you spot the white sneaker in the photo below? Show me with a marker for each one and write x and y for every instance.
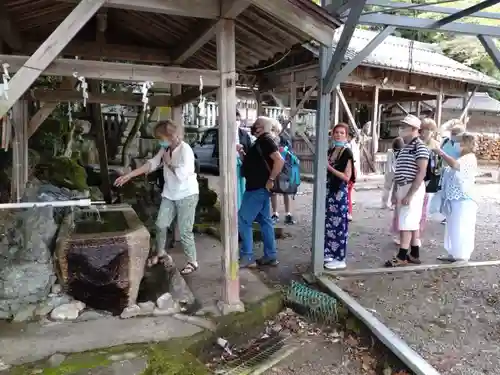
(328, 260)
(335, 265)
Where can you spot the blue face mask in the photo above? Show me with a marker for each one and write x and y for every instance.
(164, 144)
(338, 144)
(452, 149)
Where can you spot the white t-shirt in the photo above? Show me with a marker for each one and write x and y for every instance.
(181, 182)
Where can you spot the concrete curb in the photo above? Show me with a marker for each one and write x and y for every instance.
(411, 268)
(397, 346)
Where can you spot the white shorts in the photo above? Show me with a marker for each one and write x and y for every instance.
(409, 216)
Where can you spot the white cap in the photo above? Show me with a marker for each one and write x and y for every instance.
(413, 121)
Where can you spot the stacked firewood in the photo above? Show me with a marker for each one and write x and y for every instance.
(488, 147)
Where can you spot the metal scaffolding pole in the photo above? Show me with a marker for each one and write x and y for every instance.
(320, 162)
(490, 47)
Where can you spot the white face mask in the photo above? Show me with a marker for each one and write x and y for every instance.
(238, 123)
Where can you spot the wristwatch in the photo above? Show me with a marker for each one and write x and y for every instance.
(271, 179)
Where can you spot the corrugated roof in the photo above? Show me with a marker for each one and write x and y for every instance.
(481, 102)
(402, 54)
(259, 36)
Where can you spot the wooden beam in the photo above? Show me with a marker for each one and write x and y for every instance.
(288, 13)
(47, 108)
(230, 9)
(226, 97)
(364, 76)
(189, 95)
(97, 51)
(40, 116)
(48, 51)
(304, 99)
(184, 8)
(467, 103)
(403, 109)
(352, 122)
(117, 98)
(293, 105)
(121, 71)
(8, 30)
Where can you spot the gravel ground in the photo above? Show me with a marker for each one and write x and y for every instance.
(450, 317)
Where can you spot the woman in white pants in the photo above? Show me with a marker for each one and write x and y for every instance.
(459, 203)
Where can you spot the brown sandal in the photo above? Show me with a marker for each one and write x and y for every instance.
(414, 260)
(396, 262)
(189, 268)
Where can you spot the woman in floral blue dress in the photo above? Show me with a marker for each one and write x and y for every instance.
(340, 173)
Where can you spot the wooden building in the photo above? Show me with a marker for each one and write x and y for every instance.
(398, 70)
(483, 112)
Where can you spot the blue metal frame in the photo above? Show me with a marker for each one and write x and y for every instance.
(490, 47)
(320, 164)
(356, 8)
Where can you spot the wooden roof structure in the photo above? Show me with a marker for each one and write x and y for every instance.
(176, 42)
(172, 36)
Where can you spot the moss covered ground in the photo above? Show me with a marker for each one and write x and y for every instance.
(180, 356)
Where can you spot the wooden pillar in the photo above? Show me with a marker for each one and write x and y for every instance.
(226, 98)
(177, 115)
(375, 122)
(258, 98)
(438, 115)
(178, 118)
(293, 105)
(20, 167)
(419, 108)
(465, 110)
(96, 113)
(335, 107)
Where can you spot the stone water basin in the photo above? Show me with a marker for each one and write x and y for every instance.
(100, 259)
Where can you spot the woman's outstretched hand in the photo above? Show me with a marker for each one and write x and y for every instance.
(122, 180)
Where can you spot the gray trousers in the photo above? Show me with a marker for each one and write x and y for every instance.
(185, 210)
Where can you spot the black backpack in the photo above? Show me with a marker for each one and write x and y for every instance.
(431, 165)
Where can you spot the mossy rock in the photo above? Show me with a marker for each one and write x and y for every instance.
(63, 172)
(208, 215)
(207, 198)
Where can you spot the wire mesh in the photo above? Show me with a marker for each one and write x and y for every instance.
(313, 304)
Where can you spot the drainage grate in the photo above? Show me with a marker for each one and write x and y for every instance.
(260, 352)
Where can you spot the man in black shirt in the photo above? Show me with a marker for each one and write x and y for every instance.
(261, 165)
(244, 139)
